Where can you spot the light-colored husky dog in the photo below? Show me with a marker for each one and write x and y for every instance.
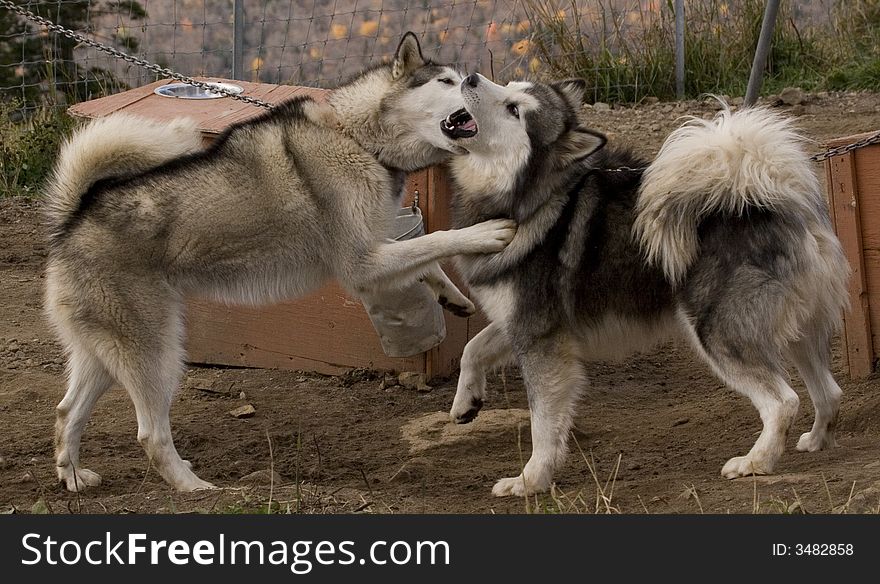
(724, 239)
(142, 217)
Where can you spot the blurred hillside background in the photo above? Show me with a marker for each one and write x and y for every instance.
(623, 47)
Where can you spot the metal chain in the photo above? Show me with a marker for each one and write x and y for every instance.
(163, 71)
(837, 151)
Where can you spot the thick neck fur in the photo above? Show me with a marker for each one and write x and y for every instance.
(358, 113)
(488, 189)
(510, 186)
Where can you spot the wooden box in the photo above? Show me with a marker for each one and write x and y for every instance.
(853, 181)
(327, 331)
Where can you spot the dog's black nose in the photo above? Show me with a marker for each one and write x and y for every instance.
(472, 80)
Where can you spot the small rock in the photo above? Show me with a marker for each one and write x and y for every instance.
(209, 385)
(668, 108)
(655, 128)
(261, 477)
(633, 466)
(680, 422)
(412, 380)
(246, 411)
(797, 110)
(792, 96)
(601, 106)
(737, 101)
(40, 508)
(388, 381)
(651, 100)
(20, 355)
(3, 462)
(242, 395)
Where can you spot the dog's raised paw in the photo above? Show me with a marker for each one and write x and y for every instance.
(470, 415)
(459, 308)
(494, 235)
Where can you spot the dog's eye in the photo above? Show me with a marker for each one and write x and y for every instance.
(513, 110)
(446, 81)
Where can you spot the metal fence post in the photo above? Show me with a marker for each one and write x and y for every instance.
(756, 77)
(238, 39)
(679, 49)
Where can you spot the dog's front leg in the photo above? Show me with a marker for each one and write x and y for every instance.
(554, 377)
(489, 348)
(400, 263)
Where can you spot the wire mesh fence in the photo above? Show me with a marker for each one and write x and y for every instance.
(323, 42)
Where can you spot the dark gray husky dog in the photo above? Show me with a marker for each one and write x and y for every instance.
(724, 239)
(142, 217)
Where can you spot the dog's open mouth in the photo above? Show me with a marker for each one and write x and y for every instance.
(459, 124)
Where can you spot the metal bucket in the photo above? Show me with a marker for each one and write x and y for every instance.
(409, 321)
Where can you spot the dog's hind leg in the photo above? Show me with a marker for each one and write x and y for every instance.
(151, 376)
(760, 379)
(554, 377)
(812, 356)
(87, 381)
(489, 348)
(143, 349)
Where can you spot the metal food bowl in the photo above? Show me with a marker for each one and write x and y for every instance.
(184, 91)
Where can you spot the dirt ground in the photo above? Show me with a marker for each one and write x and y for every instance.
(652, 432)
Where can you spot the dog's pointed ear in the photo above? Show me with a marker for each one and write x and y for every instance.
(408, 56)
(581, 143)
(573, 90)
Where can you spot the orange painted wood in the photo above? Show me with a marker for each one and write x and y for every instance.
(327, 331)
(846, 209)
(867, 179)
(847, 140)
(211, 115)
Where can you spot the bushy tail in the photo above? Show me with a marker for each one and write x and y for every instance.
(118, 145)
(750, 158)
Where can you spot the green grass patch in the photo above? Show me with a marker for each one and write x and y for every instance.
(29, 147)
(628, 54)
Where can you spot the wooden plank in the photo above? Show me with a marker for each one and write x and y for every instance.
(834, 143)
(829, 199)
(846, 209)
(327, 331)
(212, 115)
(98, 108)
(444, 359)
(867, 177)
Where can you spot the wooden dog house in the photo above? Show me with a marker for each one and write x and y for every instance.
(326, 332)
(853, 181)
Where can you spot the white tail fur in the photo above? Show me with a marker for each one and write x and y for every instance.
(118, 145)
(750, 158)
